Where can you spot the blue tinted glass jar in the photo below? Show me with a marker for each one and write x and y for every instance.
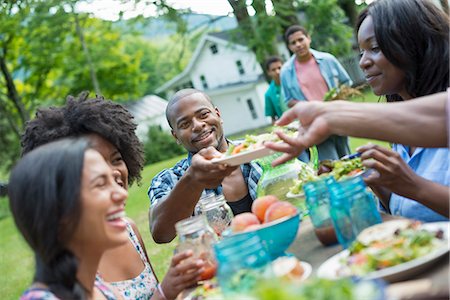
(242, 261)
(318, 204)
(353, 208)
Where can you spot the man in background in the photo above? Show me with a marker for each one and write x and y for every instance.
(307, 76)
(274, 99)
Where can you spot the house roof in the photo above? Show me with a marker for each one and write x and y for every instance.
(149, 107)
(223, 38)
(231, 36)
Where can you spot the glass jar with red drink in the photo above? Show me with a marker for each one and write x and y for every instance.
(195, 234)
(318, 203)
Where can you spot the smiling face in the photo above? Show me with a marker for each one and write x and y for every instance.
(112, 157)
(101, 225)
(381, 75)
(298, 43)
(196, 124)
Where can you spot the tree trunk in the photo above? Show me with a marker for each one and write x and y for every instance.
(247, 30)
(12, 91)
(349, 8)
(91, 67)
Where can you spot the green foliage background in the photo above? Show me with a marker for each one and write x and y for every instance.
(160, 146)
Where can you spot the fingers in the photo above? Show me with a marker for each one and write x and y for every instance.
(287, 118)
(282, 159)
(177, 258)
(210, 153)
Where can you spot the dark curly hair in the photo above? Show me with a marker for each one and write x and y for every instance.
(414, 36)
(85, 115)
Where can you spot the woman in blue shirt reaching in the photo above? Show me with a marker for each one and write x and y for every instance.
(404, 55)
(405, 58)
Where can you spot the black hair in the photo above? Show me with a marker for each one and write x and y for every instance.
(293, 29)
(180, 95)
(83, 115)
(44, 192)
(414, 36)
(270, 60)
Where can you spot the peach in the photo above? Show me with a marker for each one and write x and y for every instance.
(278, 210)
(260, 205)
(252, 227)
(242, 221)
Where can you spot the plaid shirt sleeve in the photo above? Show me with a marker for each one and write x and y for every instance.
(252, 172)
(165, 181)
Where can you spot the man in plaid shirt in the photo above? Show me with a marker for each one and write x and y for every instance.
(174, 192)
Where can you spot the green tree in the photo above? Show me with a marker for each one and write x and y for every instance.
(48, 51)
(160, 146)
(325, 22)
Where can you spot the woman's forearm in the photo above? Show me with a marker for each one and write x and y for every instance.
(419, 122)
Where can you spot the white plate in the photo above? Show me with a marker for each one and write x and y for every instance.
(243, 157)
(307, 270)
(329, 269)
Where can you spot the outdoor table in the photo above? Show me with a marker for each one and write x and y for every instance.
(431, 284)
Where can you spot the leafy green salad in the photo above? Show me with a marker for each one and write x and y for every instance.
(402, 246)
(340, 169)
(252, 142)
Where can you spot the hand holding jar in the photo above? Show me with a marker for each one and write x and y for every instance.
(196, 235)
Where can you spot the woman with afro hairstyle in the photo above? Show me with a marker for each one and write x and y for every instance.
(111, 130)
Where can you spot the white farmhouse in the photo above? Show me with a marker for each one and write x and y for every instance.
(230, 74)
(149, 111)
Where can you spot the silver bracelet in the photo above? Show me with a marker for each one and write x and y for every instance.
(160, 290)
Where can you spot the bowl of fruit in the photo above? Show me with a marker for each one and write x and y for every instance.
(275, 222)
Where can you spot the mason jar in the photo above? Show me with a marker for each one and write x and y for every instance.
(353, 208)
(218, 213)
(195, 234)
(318, 204)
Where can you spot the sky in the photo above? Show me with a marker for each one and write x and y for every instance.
(109, 9)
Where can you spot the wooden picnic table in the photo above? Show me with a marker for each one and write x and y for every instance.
(430, 284)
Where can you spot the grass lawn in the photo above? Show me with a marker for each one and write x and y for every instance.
(16, 261)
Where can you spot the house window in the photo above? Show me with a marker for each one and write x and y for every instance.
(188, 85)
(251, 107)
(240, 67)
(214, 49)
(204, 83)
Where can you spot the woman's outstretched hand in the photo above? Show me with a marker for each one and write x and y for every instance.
(313, 129)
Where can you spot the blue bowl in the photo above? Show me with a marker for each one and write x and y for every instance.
(277, 235)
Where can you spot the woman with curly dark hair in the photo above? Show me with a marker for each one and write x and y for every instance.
(405, 54)
(111, 130)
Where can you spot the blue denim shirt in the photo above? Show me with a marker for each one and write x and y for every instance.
(331, 70)
(430, 163)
